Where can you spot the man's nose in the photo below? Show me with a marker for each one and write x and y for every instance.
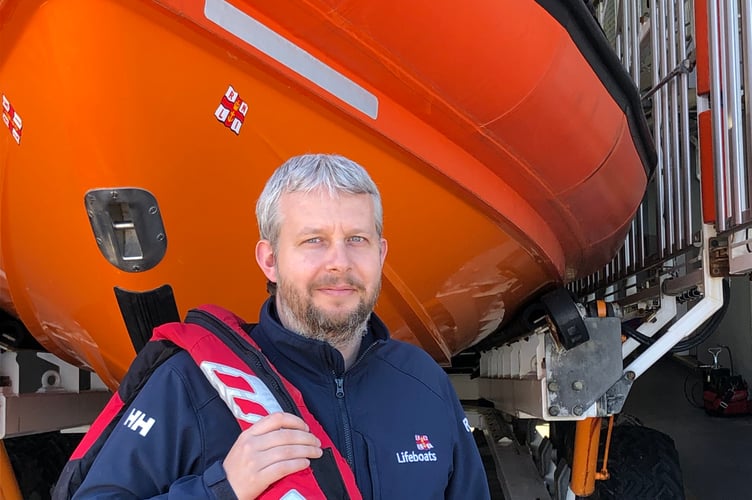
(338, 257)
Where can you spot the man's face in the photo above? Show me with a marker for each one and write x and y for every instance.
(327, 265)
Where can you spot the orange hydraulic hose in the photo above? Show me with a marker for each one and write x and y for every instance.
(8, 486)
(587, 439)
(585, 460)
(603, 474)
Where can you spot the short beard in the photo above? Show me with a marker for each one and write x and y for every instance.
(300, 315)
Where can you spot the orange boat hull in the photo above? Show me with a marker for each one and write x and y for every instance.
(504, 164)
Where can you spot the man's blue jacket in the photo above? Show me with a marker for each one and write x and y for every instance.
(393, 415)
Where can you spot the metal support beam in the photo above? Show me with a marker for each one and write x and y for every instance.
(19, 414)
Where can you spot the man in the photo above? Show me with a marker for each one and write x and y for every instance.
(389, 409)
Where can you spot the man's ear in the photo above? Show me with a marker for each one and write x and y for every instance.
(266, 260)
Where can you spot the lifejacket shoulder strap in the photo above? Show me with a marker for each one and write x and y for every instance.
(227, 355)
(252, 388)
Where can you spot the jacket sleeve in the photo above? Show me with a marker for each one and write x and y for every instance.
(468, 479)
(158, 448)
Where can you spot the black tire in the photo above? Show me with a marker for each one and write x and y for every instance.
(643, 463)
(38, 459)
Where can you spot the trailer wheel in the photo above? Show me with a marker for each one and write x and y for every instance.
(38, 459)
(643, 463)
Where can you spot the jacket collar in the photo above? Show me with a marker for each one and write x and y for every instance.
(284, 347)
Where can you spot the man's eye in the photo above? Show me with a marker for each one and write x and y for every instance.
(357, 239)
(313, 240)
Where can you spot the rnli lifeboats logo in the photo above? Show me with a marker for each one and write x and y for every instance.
(422, 442)
(411, 456)
(232, 110)
(12, 120)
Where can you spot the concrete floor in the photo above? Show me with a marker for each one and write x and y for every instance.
(715, 452)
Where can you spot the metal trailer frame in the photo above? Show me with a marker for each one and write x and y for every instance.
(689, 59)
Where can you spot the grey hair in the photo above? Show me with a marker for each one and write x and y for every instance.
(334, 174)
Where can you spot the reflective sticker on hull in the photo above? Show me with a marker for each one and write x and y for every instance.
(12, 120)
(251, 31)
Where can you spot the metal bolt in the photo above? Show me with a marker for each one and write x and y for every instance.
(160, 237)
(99, 241)
(578, 385)
(136, 268)
(630, 375)
(152, 210)
(553, 410)
(113, 194)
(91, 213)
(553, 387)
(577, 410)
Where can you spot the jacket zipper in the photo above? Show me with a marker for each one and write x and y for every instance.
(340, 394)
(345, 421)
(262, 368)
